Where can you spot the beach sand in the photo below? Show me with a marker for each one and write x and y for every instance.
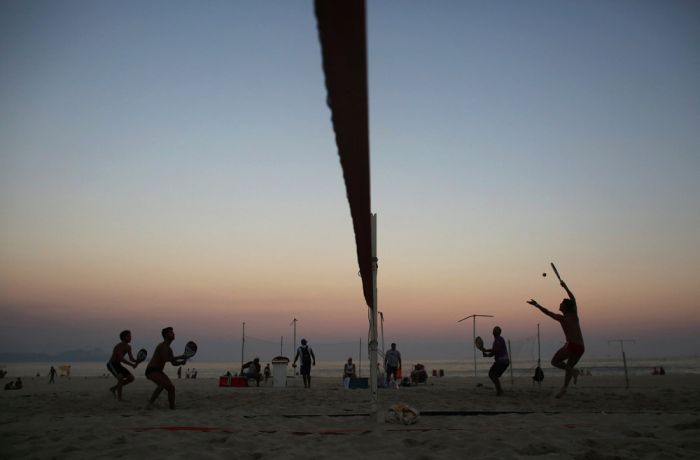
(657, 417)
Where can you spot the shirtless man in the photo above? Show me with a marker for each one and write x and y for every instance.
(501, 361)
(306, 353)
(154, 371)
(114, 365)
(568, 355)
(251, 370)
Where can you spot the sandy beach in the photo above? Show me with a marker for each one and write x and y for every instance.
(658, 417)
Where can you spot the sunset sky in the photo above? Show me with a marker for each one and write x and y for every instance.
(173, 163)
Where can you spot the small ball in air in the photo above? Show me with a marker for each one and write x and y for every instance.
(544, 274)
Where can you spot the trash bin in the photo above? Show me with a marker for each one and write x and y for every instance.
(279, 371)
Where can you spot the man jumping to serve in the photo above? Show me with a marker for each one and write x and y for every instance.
(567, 356)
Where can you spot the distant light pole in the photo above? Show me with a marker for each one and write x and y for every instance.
(294, 342)
(243, 345)
(624, 358)
(474, 333)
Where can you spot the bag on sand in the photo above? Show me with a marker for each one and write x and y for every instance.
(402, 413)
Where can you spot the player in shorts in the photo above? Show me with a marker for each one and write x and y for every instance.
(501, 361)
(124, 377)
(392, 363)
(154, 371)
(307, 360)
(567, 356)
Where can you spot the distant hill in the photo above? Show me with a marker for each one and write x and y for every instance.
(96, 354)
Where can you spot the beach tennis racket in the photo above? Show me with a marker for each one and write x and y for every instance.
(190, 350)
(141, 355)
(479, 343)
(556, 272)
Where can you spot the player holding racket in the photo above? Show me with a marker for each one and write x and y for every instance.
(154, 371)
(567, 356)
(501, 361)
(124, 377)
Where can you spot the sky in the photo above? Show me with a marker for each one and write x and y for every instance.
(173, 164)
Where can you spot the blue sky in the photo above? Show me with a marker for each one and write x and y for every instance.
(164, 158)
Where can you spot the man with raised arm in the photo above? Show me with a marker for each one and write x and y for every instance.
(154, 371)
(567, 356)
(124, 377)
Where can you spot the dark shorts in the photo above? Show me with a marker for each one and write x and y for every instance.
(498, 368)
(575, 348)
(117, 370)
(305, 369)
(391, 370)
(153, 370)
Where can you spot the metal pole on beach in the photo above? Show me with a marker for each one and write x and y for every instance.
(359, 367)
(474, 333)
(243, 345)
(372, 345)
(381, 315)
(510, 355)
(294, 344)
(624, 358)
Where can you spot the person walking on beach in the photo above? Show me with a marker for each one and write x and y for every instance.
(306, 353)
(154, 371)
(348, 373)
(392, 363)
(567, 356)
(501, 362)
(114, 365)
(52, 375)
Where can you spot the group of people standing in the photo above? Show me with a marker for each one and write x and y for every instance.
(565, 358)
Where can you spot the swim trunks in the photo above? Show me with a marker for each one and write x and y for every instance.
(575, 348)
(118, 370)
(499, 367)
(152, 370)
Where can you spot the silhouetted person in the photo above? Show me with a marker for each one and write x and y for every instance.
(154, 371)
(348, 373)
(179, 372)
(392, 362)
(251, 370)
(501, 362)
(567, 356)
(307, 360)
(52, 375)
(114, 365)
(267, 372)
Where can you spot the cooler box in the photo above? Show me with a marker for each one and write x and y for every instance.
(224, 381)
(239, 382)
(359, 383)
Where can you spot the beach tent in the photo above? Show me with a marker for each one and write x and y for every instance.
(342, 33)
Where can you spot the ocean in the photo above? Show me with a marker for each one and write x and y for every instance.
(450, 368)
